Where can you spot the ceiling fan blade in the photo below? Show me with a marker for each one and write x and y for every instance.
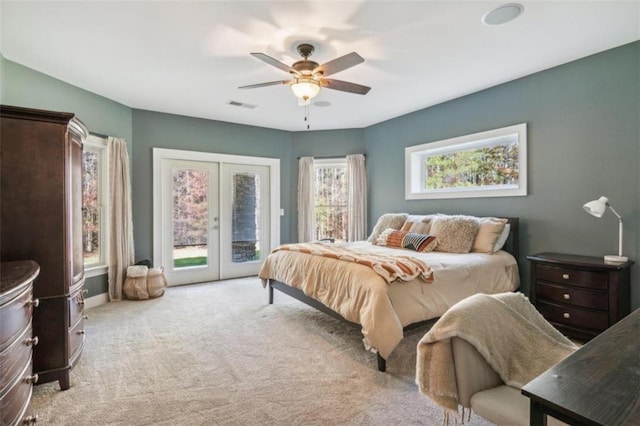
(344, 86)
(276, 63)
(270, 83)
(339, 64)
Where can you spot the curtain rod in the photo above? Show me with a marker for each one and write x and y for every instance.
(100, 135)
(328, 157)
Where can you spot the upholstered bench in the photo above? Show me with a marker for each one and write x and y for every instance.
(481, 389)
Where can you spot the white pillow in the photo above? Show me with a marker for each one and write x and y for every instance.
(502, 238)
(490, 230)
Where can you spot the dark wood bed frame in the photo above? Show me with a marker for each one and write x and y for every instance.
(511, 246)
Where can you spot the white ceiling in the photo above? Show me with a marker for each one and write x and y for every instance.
(189, 58)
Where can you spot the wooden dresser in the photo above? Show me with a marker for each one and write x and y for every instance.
(580, 295)
(41, 217)
(16, 340)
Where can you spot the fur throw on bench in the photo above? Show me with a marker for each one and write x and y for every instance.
(506, 329)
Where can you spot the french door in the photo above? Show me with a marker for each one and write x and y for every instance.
(213, 219)
(190, 221)
(245, 219)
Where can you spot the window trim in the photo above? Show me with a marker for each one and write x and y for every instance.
(99, 145)
(415, 155)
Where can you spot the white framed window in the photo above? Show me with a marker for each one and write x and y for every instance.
(486, 164)
(330, 198)
(95, 201)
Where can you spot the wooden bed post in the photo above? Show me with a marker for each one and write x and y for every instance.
(270, 293)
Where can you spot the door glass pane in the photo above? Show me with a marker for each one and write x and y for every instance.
(245, 233)
(190, 217)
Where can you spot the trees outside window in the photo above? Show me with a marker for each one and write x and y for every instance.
(94, 205)
(331, 198)
(486, 164)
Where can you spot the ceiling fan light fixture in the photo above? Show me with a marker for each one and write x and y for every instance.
(305, 88)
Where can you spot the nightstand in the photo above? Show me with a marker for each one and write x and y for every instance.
(580, 295)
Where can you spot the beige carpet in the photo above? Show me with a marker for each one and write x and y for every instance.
(218, 354)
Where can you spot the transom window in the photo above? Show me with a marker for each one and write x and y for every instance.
(330, 198)
(487, 164)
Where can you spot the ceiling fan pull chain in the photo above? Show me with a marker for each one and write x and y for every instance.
(306, 115)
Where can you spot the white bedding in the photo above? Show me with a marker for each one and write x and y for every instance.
(456, 276)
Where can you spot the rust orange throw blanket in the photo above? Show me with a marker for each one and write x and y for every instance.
(391, 268)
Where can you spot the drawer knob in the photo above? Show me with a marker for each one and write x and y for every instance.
(565, 276)
(566, 296)
(34, 303)
(566, 315)
(85, 291)
(29, 420)
(32, 342)
(85, 317)
(31, 379)
(80, 332)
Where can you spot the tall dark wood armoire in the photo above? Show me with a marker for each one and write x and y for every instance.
(41, 220)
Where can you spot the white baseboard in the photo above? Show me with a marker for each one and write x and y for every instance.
(97, 300)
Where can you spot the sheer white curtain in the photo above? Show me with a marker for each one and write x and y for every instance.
(121, 254)
(306, 214)
(357, 191)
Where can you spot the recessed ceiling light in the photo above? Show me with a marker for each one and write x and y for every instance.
(502, 14)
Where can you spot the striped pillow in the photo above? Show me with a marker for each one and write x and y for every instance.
(408, 240)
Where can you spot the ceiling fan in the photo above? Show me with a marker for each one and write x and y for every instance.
(308, 76)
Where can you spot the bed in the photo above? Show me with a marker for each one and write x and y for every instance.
(383, 310)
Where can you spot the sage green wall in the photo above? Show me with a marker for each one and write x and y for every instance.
(158, 130)
(583, 133)
(583, 142)
(22, 86)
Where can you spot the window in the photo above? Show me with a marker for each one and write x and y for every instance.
(94, 205)
(487, 164)
(330, 198)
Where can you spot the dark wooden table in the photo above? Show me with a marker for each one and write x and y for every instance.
(599, 384)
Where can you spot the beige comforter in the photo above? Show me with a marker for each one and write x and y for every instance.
(507, 331)
(360, 295)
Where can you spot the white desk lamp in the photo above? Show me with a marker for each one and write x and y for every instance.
(597, 208)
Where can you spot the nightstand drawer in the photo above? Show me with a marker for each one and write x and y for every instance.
(573, 316)
(573, 296)
(590, 279)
